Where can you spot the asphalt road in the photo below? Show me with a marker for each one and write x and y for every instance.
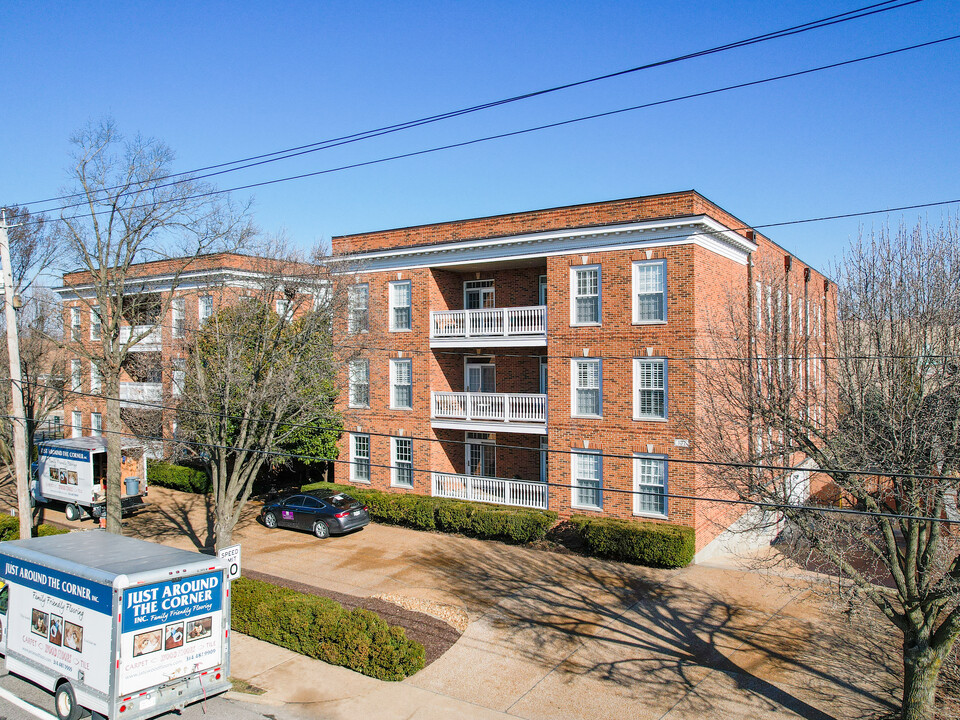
(41, 702)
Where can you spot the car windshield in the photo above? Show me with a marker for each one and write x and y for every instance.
(341, 501)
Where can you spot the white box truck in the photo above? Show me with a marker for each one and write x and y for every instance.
(125, 628)
(71, 470)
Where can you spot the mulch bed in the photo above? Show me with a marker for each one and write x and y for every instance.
(435, 635)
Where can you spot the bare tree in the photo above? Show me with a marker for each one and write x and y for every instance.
(130, 213)
(876, 407)
(259, 373)
(32, 250)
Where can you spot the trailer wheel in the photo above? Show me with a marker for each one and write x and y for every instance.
(72, 512)
(66, 702)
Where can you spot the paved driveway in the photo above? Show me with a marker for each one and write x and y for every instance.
(561, 636)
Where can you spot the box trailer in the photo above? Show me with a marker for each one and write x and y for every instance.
(125, 628)
(73, 471)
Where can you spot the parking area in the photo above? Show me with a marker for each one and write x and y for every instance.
(563, 636)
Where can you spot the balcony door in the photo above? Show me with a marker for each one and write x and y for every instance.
(480, 455)
(478, 294)
(481, 375)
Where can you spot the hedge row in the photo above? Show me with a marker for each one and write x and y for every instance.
(177, 477)
(10, 528)
(422, 512)
(321, 628)
(643, 543)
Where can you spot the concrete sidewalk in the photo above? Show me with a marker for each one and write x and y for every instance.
(556, 636)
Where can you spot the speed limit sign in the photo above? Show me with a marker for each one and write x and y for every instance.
(231, 555)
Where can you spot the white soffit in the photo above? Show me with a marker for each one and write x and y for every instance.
(699, 230)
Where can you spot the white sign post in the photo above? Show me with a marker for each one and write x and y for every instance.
(232, 556)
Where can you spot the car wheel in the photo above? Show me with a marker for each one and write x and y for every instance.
(72, 512)
(66, 702)
(270, 520)
(321, 530)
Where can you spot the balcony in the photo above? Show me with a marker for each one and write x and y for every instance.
(515, 327)
(517, 493)
(489, 412)
(140, 395)
(150, 343)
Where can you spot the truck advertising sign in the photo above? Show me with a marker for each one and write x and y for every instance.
(60, 620)
(65, 473)
(170, 629)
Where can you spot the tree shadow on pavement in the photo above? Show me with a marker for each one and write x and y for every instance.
(174, 515)
(703, 643)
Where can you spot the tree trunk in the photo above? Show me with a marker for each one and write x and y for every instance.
(921, 667)
(111, 382)
(223, 525)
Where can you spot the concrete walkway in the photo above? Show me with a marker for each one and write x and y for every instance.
(557, 636)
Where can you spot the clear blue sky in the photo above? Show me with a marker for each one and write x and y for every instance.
(218, 81)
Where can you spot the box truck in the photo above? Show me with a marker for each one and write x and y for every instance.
(124, 628)
(72, 471)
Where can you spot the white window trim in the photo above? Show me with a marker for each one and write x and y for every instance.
(350, 376)
(394, 363)
(178, 312)
(574, 376)
(76, 424)
(96, 379)
(94, 430)
(635, 278)
(573, 479)
(666, 486)
(354, 457)
(95, 325)
(573, 296)
(636, 390)
(76, 376)
(351, 292)
(390, 287)
(201, 301)
(394, 467)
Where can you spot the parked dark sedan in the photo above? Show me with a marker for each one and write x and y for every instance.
(324, 514)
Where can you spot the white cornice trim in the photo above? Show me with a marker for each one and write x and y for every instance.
(700, 230)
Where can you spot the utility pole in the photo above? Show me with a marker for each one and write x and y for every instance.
(16, 387)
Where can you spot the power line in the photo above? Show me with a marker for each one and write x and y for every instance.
(515, 133)
(572, 486)
(287, 153)
(617, 456)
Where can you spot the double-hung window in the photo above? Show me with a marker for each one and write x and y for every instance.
(359, 371)
(76, 376)
(649, 485)
(76, 421)
(358, 308)
(650, 388)
(204, 308)
(587, 397)
(585, 293)
(649, 291)
(587, 480)
(178, 310)
(402, 462)
(360, 458)
(75, 324)
(179, 376)
(96, 379)
(400, 305)
(401, 384)
(95, 328)
(96, 424)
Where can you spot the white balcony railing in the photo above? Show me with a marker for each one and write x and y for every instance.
(149, 341)
(518, 493)
(490, 407)
(489, 323)
(136, 393)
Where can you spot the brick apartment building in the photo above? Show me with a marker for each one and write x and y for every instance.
(155, 373)
(507, 358)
